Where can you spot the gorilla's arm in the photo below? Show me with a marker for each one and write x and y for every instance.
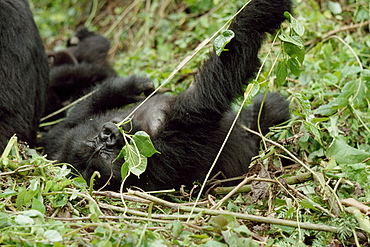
(112, 93)
(195, 126)
(221, 78)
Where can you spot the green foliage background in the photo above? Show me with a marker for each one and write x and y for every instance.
(329, 132)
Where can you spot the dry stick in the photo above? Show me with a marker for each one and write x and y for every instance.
(112, 194)
(131, 198)
(290, 223)
(345, 28)
(143, 214)
(300, 178)
(67, 106)
(233, 191)
(118, 218)
(350, 202)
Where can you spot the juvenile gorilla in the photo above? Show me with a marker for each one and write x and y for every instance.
(23, 73)
(188, 129)
(78, 68)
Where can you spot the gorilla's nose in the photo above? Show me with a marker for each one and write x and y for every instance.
(111, 135)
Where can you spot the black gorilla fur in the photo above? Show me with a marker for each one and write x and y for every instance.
(188, 129)
(23, 73)
(75, 70)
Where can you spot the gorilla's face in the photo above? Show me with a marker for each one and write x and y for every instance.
(102, 149)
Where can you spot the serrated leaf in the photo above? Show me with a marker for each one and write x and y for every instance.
(314, 130)
(305, 104)
(222, 40)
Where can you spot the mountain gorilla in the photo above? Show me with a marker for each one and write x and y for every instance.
(23, 73)
(76, 69)
(188, 129)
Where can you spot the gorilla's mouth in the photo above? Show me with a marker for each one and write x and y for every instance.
(107, 143)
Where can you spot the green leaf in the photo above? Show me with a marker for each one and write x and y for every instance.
(136, 154)
(294, 66)
(294, 51)
(296, 25)
(213, 243)
(105, 243)
(308, 204)
(281, 72)
(335, 8)
(4, 219)
(243, 229)
(124, 169)
(8, 192)
(332, 107)
(24, 220)
(177, 228)
(286, 38)
(135, 162)
(251, 91)
(53, 236)
(222, 40)
(345, 154)
(38, 203)
(144, 144)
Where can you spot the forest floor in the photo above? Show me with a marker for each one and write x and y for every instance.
(321, 198)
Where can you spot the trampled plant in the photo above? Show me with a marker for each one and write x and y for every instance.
(312, 187)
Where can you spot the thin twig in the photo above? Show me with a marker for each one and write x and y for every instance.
(300, 178)
(233, 191)
(341, 29)
(255, 218)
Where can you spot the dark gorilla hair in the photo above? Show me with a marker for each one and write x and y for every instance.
(188, 129)
(23, 73)
(76, 69)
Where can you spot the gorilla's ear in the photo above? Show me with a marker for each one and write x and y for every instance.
(60, 58)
